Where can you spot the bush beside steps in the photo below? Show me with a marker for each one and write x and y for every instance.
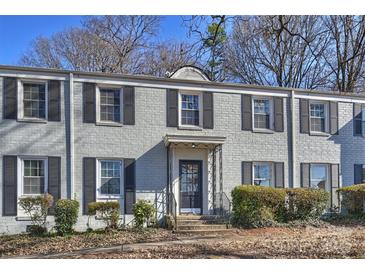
(258, 206)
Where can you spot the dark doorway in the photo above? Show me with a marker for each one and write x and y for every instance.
(190, 173)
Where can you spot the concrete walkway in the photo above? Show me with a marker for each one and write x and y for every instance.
(185, 240)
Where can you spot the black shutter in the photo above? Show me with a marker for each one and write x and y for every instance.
(129, 185)
(89, 182)
(278, 114)
(54, 100)
(279, 174)
(208, 113)
(304, 116)
(128, 106)
(334, 118)
(357, 121)
(172, 107)
(54, 179)
(10, 98)
(335, 184)
(358, 174)
(247, 173)
(305, 174)
(89, 91)
(246, 109)
(10, 196)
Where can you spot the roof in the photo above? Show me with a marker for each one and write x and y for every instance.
(175, 80)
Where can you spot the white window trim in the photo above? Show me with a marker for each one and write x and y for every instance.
(271, 118)
(100, 196)
(20, 174)
(263, 163)
(326, 117)
(20, 91)
(327, 166)
(97, 99)
(189, 92)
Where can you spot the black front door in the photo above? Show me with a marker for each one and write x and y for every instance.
(190, 186)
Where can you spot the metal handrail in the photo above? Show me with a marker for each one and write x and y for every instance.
(173, 207)
(223, 205)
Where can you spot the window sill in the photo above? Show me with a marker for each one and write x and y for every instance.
(266, 131)
(196, 128)
(22, 218)
(32, 120)
(109, 124)
(320, 134)
(108, 197)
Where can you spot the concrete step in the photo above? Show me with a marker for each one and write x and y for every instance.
(200, 222)
(206, 231)
(201, 227)
(199, 217)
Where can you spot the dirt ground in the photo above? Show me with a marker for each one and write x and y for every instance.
(300, 242)
(309, 242)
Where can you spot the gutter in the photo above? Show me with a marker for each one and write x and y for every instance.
(293, 140)
(71, 121)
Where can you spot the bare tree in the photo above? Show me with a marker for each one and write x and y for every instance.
(167, 57)
(42, 54)
(282, 51)
(104, 43)
(346, 52)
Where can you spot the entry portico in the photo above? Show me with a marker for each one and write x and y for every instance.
(195, 173)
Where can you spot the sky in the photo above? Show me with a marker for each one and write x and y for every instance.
(17, 32)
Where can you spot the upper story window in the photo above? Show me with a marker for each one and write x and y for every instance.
(110, 105)
(34, 99)
(262, 108)
(262, 174)
(110, 178)
(318, 176)
(33, 176)
(363, 121)
(318, 117)
(190, 109)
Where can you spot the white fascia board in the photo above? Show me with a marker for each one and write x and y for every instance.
(181, 86)
(334, 98)
(34, 76)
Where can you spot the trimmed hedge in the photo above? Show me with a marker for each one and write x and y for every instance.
(66, 214)
(257, 206)
(143, 212)
(306, 203)
(107, 211)
(353, 198)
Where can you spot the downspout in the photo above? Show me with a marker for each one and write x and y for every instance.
(72, 192)
(293, 132)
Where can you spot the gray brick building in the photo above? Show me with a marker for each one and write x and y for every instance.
(96, 136)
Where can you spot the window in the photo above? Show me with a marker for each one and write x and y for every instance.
(110, 178)
(262, 174)
(190, 113)
(110, 102)
(363, 174)
(318, 113)
(319, 176)
(262, 113)
(34, 100)
(34, 178)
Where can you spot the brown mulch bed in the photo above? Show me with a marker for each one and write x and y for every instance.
(23, 245)
(309, 242)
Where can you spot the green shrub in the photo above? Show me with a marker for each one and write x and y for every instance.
(306, 203)
(353, 198)
(143, 213)
(36, 208)
(255, 206)
(66, 213)
(107, 211)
